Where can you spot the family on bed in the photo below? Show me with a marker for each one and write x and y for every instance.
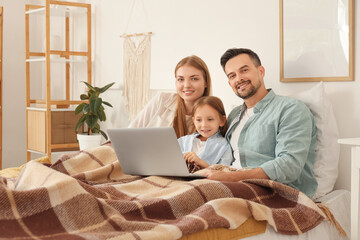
(267, 137)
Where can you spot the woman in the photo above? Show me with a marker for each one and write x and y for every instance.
(174, 109)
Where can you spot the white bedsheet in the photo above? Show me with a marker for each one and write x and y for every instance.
(338, 202)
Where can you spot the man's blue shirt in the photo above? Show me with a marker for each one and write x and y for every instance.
(280, 138)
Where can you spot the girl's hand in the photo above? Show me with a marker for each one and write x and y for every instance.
(193, 158)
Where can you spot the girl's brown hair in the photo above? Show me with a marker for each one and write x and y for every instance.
(179, 122)
(215, 103)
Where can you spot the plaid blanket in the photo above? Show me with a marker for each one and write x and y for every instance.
(86, 196)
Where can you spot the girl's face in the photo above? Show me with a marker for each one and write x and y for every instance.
(190, 83)
(207, 121)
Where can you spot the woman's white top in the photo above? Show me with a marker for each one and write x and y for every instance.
(158, 112)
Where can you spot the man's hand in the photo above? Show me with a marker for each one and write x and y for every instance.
(220, 176)
(256, 173)
(193, 158)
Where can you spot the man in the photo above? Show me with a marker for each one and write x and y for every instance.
(272, 137)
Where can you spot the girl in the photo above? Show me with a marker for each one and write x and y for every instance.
(192, 81)
(207, 146)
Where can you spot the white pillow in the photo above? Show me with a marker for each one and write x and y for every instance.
(327, 148)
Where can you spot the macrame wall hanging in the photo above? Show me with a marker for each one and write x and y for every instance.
(137, 49)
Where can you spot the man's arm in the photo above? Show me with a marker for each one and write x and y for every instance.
(295, 137)
(256, 173)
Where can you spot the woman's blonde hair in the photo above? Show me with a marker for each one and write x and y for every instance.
(215, 103)
(179, 122)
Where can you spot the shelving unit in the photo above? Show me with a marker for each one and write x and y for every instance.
(50, 123)
(1, 79)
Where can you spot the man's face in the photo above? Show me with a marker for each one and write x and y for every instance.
(244, 77)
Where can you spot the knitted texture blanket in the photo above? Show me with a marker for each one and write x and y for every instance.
(86, 195)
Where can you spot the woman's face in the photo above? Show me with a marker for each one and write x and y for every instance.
(190, 83)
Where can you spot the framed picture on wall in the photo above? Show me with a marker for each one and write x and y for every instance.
(316, 40)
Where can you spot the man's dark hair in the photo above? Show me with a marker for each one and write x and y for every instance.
(233, 52)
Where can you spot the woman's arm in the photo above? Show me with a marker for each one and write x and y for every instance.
(151, 110)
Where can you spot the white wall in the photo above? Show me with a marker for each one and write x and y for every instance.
(14, 135)
(181, 28)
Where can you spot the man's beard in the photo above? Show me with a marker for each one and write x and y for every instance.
(251, 92)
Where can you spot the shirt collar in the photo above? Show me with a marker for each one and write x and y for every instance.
(265, 101)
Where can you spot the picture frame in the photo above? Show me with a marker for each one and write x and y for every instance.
(316, 40)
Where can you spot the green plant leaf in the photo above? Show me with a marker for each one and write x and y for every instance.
(96, 128)
(96, 105)
(89, 86)
(91, 105)
(102, 115)
(103, 89)
(91, 121)
(93, 97)
(80, 123)
(108, 104)
(79, 108)
(93, 110)
(84, 97)
(101, 118)
(91, 93)
(86, 108)
(104, 134)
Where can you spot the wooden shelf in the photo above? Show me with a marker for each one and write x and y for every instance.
(50, 129)
(55, 60)
(57, 10)
(62, 130)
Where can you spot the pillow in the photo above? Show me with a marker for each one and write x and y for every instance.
(327, 148)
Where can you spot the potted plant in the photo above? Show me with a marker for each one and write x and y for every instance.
(92, 112)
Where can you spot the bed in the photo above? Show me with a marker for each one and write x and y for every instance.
(85, 195)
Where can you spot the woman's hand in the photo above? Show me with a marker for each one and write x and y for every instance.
(193, 158)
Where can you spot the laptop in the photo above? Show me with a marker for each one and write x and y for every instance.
(150, 151)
